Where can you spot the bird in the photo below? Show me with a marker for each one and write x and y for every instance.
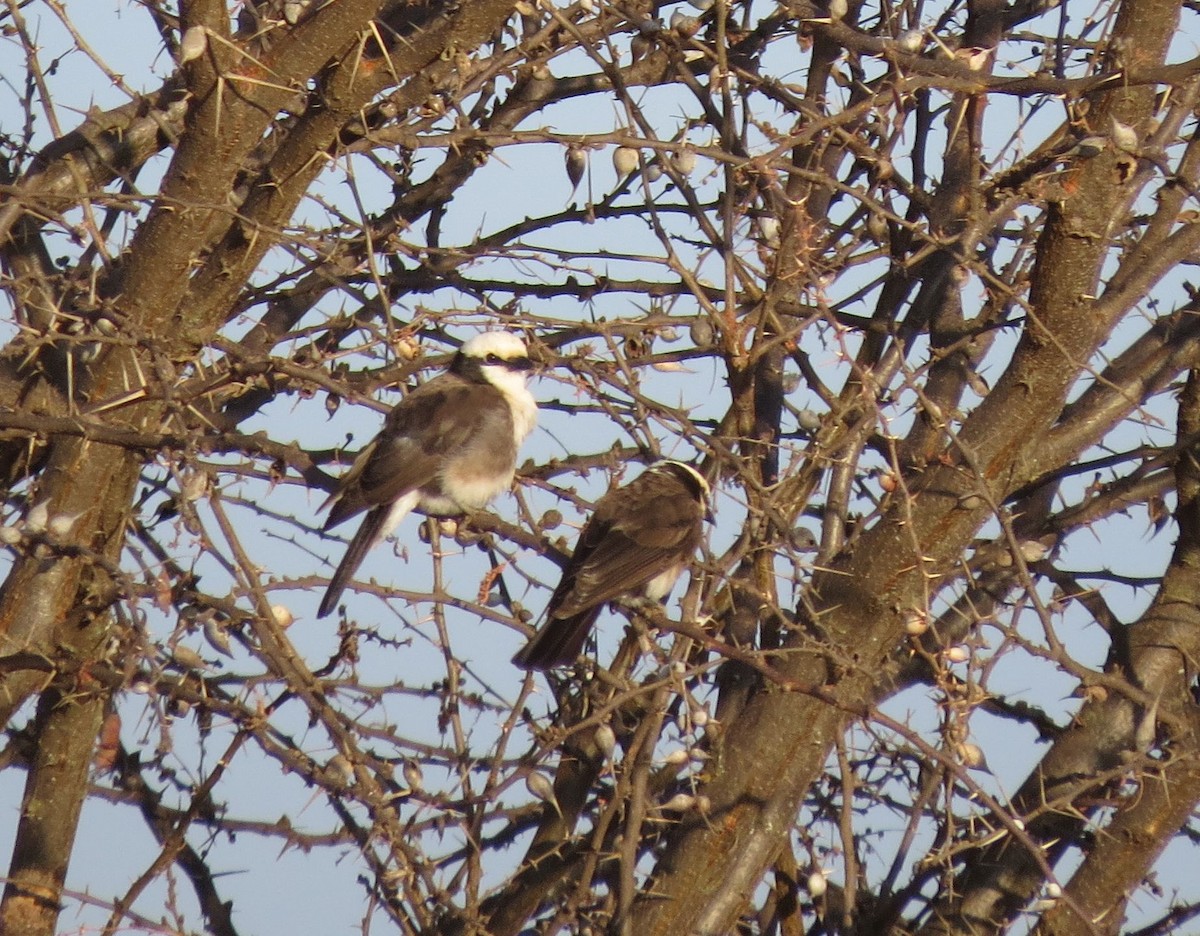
(445, 450)
(637, 542)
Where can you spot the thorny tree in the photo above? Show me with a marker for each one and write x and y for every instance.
(908, 280)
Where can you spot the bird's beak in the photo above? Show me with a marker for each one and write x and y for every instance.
(708, 514)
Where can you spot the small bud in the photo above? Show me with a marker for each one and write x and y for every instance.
(339, 772)
(551, 520)
(911, 40)
(193, 44)
(576, 164)
(809, 420)
(1033, 551)
(1125, 137)
(293, 10)
(188, 658)
(653, 172)
(816, 884)
(540, 787)
(701, 333)
(413, 775)
(838, 9)
(178, 708)
(971, 756)
(605, 739)
(685, 25)
(60, 525)
(676, 758)
(625, 160)
(680, 802)
(282, 615)
(194, 485)
(916, 622)
(216, 635)
(10, 535)
(407, 348)
(685, 161)
(38, 517)
(956, 654)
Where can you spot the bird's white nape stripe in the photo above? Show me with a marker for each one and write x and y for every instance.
(700, 479)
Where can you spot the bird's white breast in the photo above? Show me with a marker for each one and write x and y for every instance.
(524, 408)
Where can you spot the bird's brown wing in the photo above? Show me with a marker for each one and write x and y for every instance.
(635, 534)
(438, 417)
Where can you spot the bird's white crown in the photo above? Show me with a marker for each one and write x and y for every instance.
(505, 345)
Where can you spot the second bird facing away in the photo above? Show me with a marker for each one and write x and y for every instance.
(446, 449)
(638, 541)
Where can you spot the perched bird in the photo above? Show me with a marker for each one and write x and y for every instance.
(446, 449)
(637, 542)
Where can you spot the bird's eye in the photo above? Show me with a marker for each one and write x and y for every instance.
(493, 359)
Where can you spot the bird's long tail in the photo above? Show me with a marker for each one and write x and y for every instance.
(558, 643)
(367, 536)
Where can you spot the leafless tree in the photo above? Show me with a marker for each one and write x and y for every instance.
(908, 281)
